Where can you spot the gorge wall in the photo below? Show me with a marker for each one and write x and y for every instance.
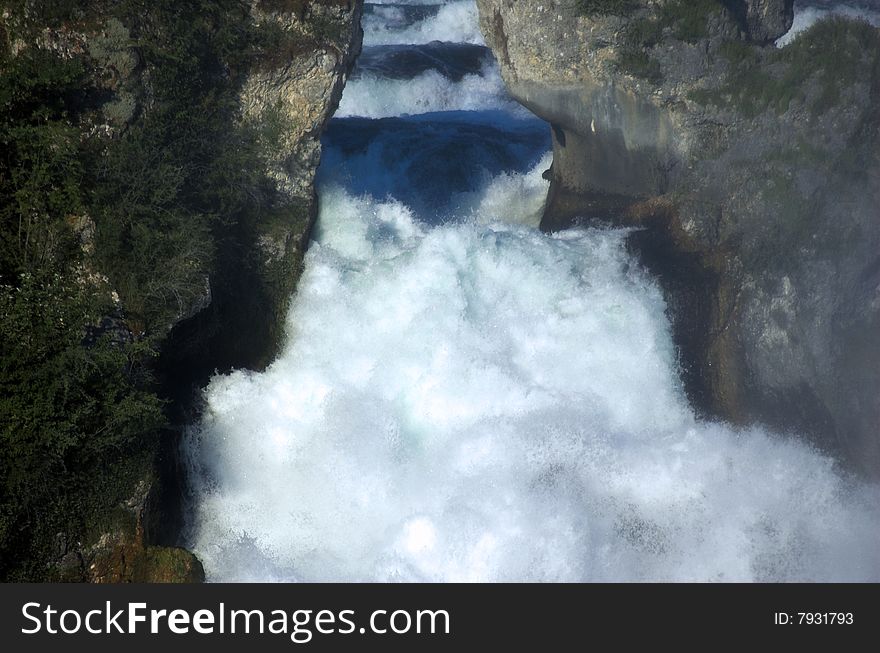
(752, 173)
(292, 86)
(167, 229)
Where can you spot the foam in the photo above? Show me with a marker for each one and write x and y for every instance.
(375, 97)
(479, 401)
(454, 22)
(513, 198)
(806, 16)
(482, 402)
(435, 163)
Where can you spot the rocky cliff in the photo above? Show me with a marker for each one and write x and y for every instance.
(753, 175)
(291, 88)
(159, 165)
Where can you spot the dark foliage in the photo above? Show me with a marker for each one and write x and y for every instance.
(176, 189)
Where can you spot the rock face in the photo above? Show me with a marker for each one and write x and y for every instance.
(288, 96)
(274, 90)
(124, 553)
(754, 173)
(766, 20)
(292, 94)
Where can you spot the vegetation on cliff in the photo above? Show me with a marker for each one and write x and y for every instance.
(682, 19)
(686, 20)
(132, 195)
(605, 7)
(754, 169)
(815, 68)
(76, 414)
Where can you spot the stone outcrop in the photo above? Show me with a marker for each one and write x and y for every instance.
(124, 553)
(291, 95)
(233, 316)
(765, 20)
(753, 174)
(288, 96)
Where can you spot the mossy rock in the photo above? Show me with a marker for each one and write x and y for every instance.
(815, 70)
(133, 563)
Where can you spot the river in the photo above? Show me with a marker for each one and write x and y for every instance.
(464, 398)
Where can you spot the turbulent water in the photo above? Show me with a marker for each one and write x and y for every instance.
(462, 397)
(809, 12)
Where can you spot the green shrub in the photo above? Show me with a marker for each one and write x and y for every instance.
(640, 64)
(817, 66)
(178, 186)
(688, 19)
(40, 166)
(75, 419)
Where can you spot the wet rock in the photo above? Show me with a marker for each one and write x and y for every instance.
(755, 175)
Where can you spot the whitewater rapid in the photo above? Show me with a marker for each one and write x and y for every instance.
(416, 22)
(808, 12)
(464, 398)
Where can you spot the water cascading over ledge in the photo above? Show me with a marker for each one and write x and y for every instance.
(464, 397)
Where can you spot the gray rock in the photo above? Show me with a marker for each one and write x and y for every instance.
(767, 20)
(755, 174)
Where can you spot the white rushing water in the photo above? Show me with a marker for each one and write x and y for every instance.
(453, 21)
(478, 401)
(808, 14)
(374, 97)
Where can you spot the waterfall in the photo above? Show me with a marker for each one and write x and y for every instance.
(461, 397)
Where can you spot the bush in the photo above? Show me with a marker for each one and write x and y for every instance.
(688, 18)
(640, 64)
(75, 419)
(178, 184)
(40, 166)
